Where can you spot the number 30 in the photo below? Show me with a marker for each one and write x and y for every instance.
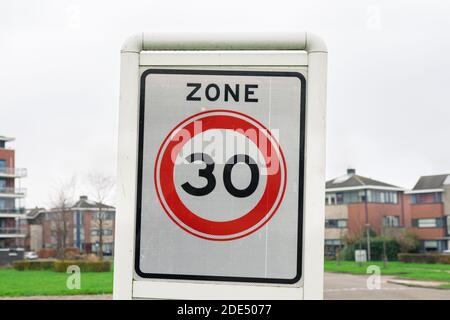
(207, 173)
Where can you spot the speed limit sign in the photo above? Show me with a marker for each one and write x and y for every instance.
(255, 203)
(219, 164)
(218, 150)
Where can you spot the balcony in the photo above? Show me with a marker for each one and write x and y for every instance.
(12, 233)
(6, 172)
(12, 213)
(7, 192)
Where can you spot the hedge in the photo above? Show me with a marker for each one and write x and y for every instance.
(22, 265)
(85, 266)
(62, 265)
(424, 258)
(376, 249)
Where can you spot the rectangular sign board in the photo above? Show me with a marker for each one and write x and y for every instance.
(221, 167)
(220, 175)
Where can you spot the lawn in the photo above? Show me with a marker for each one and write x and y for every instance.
(31, 283)
(415, 271)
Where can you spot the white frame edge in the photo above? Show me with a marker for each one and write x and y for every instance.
(314, 165)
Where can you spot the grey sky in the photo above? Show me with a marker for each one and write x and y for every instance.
(388, 88)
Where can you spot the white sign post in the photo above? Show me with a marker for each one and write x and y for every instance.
(221, 167)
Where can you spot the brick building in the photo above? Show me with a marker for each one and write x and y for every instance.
(354, 203)
(11, 209)
(84, 220)
(429, 209)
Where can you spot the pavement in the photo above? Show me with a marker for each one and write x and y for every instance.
(341, 286)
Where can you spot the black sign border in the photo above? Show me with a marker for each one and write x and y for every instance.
(137, 269)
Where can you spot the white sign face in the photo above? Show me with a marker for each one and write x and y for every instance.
(360, 256)
(220, 175)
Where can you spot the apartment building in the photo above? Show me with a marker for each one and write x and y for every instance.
(354, 204)
(84, 221)
(429, 210)
(11, 208)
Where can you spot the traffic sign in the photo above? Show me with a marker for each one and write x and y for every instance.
(265, 204)
(218, 175)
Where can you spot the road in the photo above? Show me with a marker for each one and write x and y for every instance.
(340, 286)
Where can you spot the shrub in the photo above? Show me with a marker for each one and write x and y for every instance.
(376, 249)
(91, 257)
(62, 265)
(424, 258)
(408, 241)
(72, 254)
(74, 251)
(85, 266)
(23, 265)
(47, 253)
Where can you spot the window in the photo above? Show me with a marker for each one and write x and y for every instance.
(342, 223)
(345, 197)
(428, 223)
(108, 248)
(330, 199)
(391, 221)
(430, 245)
(106, 232)
(336, 223)
(105, 215)
(426, 197)
(333, 242)
(3, 166)
(354, 196)
(381, 196)
(448, 226)
(110, 215)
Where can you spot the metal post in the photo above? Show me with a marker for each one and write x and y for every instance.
(368, 241)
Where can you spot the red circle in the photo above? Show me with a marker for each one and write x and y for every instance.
(226, 119)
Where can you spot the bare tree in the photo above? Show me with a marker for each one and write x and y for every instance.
(62, 215)
(385, 232)
(101, 188)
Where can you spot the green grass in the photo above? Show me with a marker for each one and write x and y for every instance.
(31, 283)
(414, 271)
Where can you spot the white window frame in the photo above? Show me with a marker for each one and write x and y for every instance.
(427, 225)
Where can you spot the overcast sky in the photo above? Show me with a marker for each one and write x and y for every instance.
(388, 88)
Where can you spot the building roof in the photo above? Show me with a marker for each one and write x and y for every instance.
(81, 204)
(4, 138)
(34, 213)
(352, 180)
(85, 203)
(432, 182)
